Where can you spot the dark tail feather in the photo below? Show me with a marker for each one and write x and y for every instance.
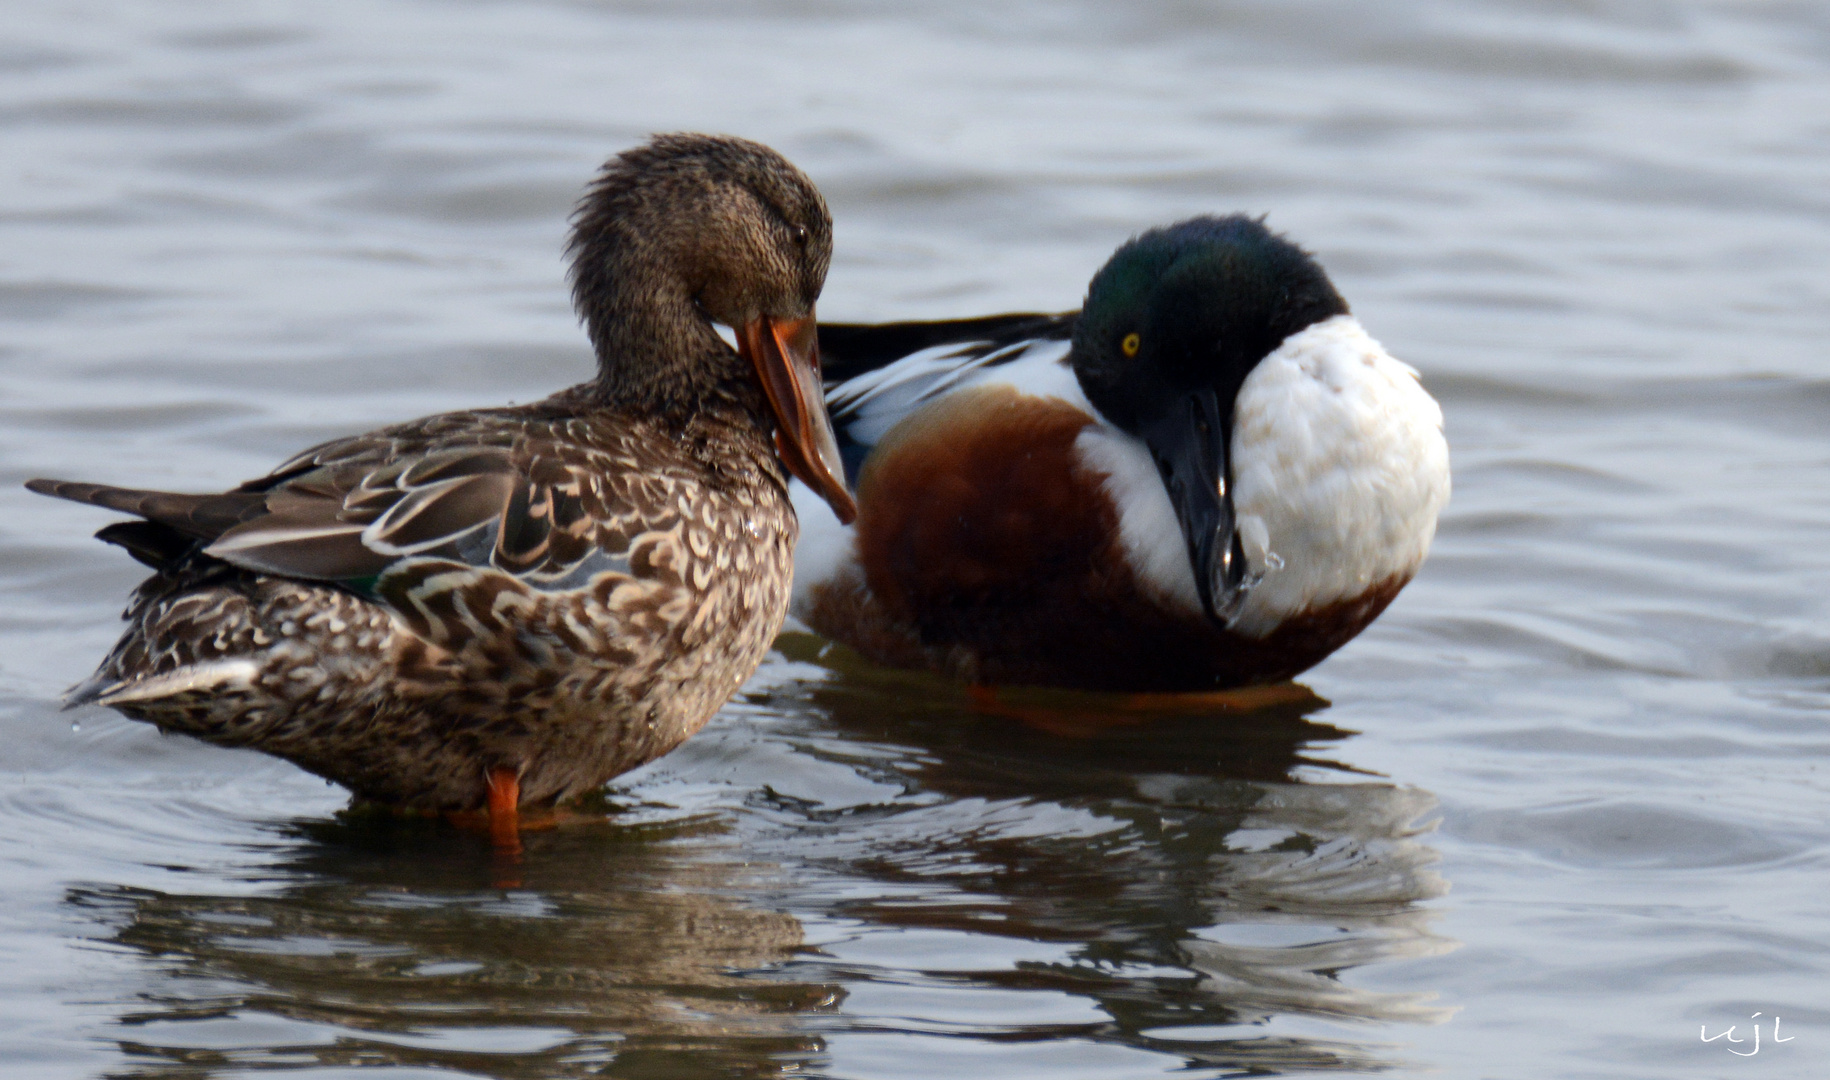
(153, 543)
(152, 505)
(848, 350)
(201, 517)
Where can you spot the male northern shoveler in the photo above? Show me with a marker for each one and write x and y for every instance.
(1210, 476)
(509, 606)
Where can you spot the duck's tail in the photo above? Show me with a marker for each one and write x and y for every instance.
(107, 687)
(174, 524)
(204, 517)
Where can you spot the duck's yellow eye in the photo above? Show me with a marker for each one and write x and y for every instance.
(1131, 344)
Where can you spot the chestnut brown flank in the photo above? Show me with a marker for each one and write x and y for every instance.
(989, 552)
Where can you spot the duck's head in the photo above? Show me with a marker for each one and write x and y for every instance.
(691, 230)
(1172, 325)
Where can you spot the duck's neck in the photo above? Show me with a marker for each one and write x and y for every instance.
(658, 353)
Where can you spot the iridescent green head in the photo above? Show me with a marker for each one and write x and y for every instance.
(1172, 326)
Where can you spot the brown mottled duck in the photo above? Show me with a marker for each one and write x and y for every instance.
(506, 607)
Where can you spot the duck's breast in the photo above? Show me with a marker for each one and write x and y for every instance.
(1340, 470)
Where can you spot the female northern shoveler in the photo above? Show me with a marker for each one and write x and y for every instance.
(1208, 477)
(510, 606)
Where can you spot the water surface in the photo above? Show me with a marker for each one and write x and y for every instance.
(1561, 806)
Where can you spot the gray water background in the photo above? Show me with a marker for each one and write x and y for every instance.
(1567, 802)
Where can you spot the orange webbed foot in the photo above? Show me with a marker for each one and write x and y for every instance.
(505, 810)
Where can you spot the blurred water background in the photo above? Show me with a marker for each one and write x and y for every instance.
(1557, 814)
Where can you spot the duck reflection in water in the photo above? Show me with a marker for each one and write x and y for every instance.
(625, 949)
(1206, 900)
(1161, 886)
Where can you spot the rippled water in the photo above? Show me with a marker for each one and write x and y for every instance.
(1561, 812)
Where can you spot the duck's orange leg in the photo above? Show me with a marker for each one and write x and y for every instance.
(505, 810)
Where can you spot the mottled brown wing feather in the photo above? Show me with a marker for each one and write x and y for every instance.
(534, 497)
(351, 520)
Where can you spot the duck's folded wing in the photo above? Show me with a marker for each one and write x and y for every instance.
(848, 350)
(876, 374)
(349, 511)
(349, 521)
